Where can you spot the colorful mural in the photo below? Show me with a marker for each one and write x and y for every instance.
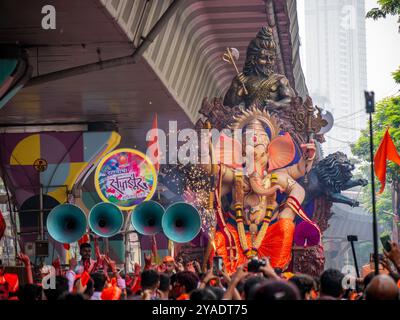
(55, 160)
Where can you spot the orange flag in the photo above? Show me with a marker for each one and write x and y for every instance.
(153, 144)
(386, 151)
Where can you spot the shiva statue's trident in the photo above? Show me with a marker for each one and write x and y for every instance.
(230, 55)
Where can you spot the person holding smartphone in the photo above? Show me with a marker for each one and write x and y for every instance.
(370, 267)
(393, 254)
(217, 266)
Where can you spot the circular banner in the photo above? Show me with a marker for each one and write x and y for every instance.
(125, 177)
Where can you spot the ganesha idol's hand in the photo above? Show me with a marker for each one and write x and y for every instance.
(279, 188)
(309, 150)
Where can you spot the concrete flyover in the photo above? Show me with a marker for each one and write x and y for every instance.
(186, 55)
(181, 66)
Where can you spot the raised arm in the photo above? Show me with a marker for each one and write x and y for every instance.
(27, 263)
(231, 292)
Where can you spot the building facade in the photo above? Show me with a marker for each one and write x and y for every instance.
(336, 66)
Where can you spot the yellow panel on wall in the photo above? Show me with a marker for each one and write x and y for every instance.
(74, 169)
(26, 151)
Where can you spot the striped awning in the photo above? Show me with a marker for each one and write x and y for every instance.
(187, 54)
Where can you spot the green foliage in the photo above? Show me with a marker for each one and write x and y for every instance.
(396, 75)
(386, 7)
(387, 114)
(383, 204)
(376, 14)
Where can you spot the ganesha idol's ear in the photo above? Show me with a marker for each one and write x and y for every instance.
(281, 152)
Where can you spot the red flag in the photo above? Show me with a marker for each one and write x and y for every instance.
(85, 239)
(2, 225)
(153, 145)
(386, 151)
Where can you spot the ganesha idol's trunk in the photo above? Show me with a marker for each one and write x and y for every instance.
(256, 184)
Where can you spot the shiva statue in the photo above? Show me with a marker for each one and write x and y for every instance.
(259, 83)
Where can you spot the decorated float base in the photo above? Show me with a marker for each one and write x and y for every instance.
(308, 260)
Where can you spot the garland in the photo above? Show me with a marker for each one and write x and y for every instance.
(239, 199)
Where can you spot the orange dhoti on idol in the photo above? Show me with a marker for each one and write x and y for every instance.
(276, 245)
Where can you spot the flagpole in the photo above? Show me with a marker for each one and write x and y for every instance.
(370, 106)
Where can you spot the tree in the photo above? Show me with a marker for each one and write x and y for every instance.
(387, 114)
(386, 7)
(396, 75)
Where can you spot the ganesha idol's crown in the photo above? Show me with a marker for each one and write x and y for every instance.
(256, 133)
(265, 126)
(255, 125)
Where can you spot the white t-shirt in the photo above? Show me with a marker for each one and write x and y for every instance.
(96, 295)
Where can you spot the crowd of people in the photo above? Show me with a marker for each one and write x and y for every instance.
(176, 279)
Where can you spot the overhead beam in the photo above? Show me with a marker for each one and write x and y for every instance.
(114, 62)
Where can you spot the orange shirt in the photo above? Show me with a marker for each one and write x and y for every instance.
(366, 269)
(183, 296)
(12, 280)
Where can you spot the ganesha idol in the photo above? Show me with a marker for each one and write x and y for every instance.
(257, 200)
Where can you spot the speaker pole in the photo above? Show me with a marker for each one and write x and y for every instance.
(126, 240)
(171, 249)
(106, 246)
(370, 107)
(41, 228)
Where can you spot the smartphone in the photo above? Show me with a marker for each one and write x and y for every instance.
(217, 265)
(385, 239)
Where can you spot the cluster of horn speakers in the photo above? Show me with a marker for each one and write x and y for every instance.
(180, 222)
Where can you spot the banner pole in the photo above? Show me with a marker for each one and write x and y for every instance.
(370, 106)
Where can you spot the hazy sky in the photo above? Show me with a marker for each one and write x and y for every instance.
(383, 50)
